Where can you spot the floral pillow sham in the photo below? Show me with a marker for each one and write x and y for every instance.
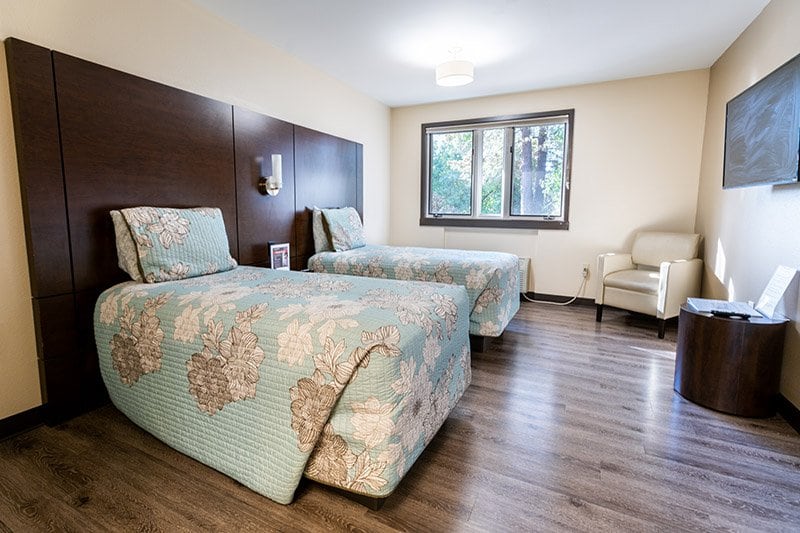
(322, 241)
(176, 244)
(344, 226)
(127, 256)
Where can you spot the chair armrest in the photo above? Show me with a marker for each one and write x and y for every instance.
(678, 280)
(608, 263)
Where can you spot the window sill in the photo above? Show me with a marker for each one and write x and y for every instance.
(483, 223)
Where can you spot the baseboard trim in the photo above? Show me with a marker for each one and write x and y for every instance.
(789, 412)
(21, 422)
(556, 298)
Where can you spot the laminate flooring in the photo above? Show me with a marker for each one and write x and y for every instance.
(568, 425)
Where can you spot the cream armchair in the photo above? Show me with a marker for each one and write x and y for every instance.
(658, 275)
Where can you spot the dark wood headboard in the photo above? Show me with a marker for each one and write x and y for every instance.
(90, 139)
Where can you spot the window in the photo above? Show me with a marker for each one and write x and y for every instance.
(498, 172)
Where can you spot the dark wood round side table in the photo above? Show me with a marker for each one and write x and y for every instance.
(728, 364)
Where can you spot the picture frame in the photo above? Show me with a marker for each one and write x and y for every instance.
(279, 256)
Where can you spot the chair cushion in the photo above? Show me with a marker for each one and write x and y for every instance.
(652, 247)
(644, 281)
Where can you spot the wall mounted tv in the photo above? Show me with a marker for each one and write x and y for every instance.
(762, 131)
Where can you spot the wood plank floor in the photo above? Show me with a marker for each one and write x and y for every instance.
(568, 425)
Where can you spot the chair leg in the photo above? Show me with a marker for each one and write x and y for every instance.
(599, 316)
(661, 326)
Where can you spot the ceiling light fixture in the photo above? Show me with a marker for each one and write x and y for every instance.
(455, 72)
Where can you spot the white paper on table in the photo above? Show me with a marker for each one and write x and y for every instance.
(704, 305)
(775, 291)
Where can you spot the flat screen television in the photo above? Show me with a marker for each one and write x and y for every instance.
(762, 131)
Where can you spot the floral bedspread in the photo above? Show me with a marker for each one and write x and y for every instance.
(491, 278)
(263, 374)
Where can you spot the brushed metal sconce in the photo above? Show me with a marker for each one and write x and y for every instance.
(272, 185)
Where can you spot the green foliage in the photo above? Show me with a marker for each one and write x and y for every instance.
(492, 172)
(451, 173)
(537, 172)
(552, 149)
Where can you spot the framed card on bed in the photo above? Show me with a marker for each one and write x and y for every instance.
(279, 255)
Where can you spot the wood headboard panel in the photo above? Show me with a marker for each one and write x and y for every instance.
(127, 141)
(90, 139)
(33, 100)
(263, 219)
(325, 178)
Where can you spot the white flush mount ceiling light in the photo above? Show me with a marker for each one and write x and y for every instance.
(455, 72)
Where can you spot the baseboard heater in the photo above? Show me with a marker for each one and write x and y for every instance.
(524, 268)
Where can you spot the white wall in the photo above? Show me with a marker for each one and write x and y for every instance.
(176, 43)
(750, 231)
(636, 159)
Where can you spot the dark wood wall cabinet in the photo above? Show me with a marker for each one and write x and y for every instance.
(90, 139)
(730, 365)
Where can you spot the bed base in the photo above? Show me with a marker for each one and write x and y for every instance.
(478, 343)
(370, 502)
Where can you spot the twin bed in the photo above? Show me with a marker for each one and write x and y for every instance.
(265, 374)
(491, 278)
(268, 375)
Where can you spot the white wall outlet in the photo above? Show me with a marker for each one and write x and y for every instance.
(585, 271)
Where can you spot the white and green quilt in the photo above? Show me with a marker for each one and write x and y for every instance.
(491, 278)
(266, 374)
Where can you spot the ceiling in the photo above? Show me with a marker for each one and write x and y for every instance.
(389, 49)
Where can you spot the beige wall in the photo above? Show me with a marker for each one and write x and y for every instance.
(636, 160)
(750, 231)
(179, 44)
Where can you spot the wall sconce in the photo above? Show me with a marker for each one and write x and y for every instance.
(271, 185)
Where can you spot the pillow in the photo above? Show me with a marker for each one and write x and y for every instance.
(345, 228)
(179, 243)
(322, 241)
(127, 257)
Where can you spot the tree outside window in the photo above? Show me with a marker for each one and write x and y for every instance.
(498, 172)
(451, 173)
(538, 170)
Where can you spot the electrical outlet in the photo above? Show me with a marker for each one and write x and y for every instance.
(585, 271)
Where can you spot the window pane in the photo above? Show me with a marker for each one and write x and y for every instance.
(451, 173)
(538, 172)
(491, 184)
